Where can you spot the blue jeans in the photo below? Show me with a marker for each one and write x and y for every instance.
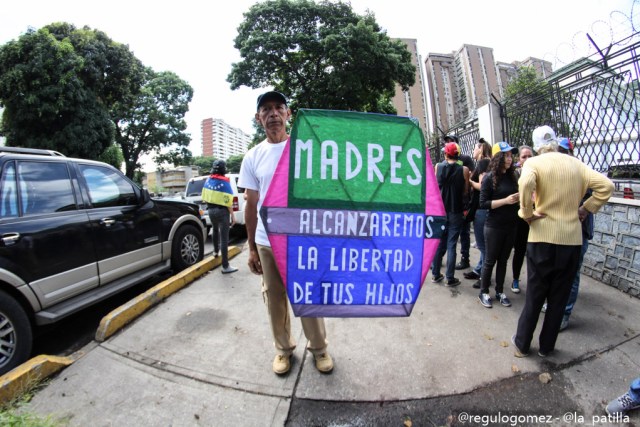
(220, 220)
(634, 389)
(478, 230)
(573, 296)
(465, 240)
(448, 243)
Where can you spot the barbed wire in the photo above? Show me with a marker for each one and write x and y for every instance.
(620, 29)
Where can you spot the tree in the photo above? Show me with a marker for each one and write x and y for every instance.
(529, 103)
(154, 120)
(234, 162)
(527, 85)
(322, 55)
(203, 163)
(113, 156)
(58, 84)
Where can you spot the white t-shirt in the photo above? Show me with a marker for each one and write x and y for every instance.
(256, 172)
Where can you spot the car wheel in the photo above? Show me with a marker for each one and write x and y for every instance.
(188, 248)
(16, 336)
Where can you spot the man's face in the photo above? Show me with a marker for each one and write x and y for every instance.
(273, 116)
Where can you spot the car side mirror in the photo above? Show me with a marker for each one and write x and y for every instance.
(144, 197)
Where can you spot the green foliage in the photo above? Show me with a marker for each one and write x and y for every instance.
(526, 86)
(57, 85)
(15, 411)
(113, 156)
(154, 120)
(234, 162)
(529, 103)
(203, 163)
(77, 91)
(322, 55)
(18, 419)
(179, 156)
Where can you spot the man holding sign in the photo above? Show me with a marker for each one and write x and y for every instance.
(256, 173)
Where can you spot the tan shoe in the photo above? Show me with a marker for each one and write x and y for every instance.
(282, 364)
(324, 362)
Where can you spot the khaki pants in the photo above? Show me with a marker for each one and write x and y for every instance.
(275, 297)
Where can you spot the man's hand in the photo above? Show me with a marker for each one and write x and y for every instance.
(536, 216)
(254, 262)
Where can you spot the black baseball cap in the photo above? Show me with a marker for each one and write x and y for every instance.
(450, 138)
(270, 96)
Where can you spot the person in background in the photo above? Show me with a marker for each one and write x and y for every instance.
(498, 194)
(465, 231)
(482, 156)
(566, 147)
(629, 401)
(453, 180)
(553, 249)
(218, 195)
(482, 150)
(522, 228)
(479, 219)
(256, 173)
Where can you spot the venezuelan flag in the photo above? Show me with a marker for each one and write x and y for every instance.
(217, 190)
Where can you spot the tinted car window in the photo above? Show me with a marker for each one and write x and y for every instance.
(45, 187)
(8, 193)
(194, 188)
(107, 188)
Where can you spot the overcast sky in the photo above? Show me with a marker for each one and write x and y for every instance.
(194, 39)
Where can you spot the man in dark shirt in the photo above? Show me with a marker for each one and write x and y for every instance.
(465, 231)
(453, 180)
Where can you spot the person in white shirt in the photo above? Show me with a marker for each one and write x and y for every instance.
(256, 173)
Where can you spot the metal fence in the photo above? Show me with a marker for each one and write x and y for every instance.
(467, 134)
(595, 102)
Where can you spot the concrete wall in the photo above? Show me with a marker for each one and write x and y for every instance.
(613, 257)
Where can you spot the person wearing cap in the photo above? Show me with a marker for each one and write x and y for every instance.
(218, 195)
(555, 236)
(256, 173)
(495, 149)
(453, 180)
(499, 195)
(522, 228)
(465, 231)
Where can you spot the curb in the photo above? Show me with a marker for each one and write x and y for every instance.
(25, 376)
(22, 378)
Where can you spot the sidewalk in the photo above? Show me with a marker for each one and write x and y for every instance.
(203, 357)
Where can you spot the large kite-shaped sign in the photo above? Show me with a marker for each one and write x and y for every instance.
(353, 214)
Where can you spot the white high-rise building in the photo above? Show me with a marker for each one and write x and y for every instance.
(222, 141)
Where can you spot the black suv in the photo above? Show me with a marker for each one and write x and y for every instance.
(74, 232)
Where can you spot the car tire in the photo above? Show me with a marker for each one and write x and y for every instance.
(187, 248)
(16, 335)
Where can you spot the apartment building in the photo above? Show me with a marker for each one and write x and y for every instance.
(413, 103)
(465, 80)
(442, 88)
(222, 141)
